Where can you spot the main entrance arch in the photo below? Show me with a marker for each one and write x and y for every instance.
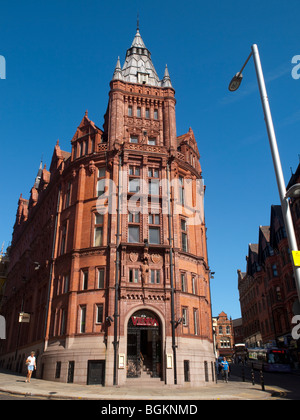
(144, 344)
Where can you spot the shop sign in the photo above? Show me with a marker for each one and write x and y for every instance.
(144, 321)
(24, 318)
(296, 258)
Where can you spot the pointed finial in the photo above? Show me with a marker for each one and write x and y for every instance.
(86, 113)
(166, 81)
(118, 71)
(138, 22)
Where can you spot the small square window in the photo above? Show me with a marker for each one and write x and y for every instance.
(98, 219)
(154, 235)
(101, 173)
(133, 275)
(133, 217)
(134, 171)
(134, 234)
(134, 139)
(100, 187)
(143, 78)
(155, 277)
(153, 173)
(134, 185)
(154, 219)
(153, 187)
(152, 142)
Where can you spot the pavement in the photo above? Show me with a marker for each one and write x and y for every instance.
(235, 389)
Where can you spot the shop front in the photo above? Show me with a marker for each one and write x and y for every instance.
(144, 345)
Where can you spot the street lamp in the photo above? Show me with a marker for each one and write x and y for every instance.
(295, 190)
(237, 79)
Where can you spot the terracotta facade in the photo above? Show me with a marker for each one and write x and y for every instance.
(224, 336)
(112, 297)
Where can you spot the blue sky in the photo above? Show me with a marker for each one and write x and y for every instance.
(60, 57)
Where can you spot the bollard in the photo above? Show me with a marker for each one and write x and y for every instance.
(262, 381)
(252, 375)
(243, 373)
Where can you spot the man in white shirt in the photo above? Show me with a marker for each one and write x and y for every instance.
(31, 366)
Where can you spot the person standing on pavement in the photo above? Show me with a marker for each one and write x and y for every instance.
(31, 366)
(225, 367)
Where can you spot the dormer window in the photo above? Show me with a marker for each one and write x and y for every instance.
(143, 78)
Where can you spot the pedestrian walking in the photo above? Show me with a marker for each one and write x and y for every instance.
(225, 367)
(31, 366)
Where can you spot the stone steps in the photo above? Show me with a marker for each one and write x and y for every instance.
(145, 379)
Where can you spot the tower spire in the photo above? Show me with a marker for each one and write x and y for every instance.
(138, 66)
(118, 71)
(166, 82)
(39, 176)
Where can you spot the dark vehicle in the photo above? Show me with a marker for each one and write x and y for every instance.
(270, 360)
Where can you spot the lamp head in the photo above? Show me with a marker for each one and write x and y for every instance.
(294, 191)
(235, 82)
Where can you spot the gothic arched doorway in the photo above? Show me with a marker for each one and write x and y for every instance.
(144, 344)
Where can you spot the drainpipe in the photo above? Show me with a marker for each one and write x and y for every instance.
(116, 314)
(173, 322)
(51, 271)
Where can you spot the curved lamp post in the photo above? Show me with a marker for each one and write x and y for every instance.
(293, 191)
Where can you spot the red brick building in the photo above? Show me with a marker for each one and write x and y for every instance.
(268, 293)
(224, 335)
(113, 290)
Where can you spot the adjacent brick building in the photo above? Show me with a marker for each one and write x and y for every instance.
(268, 293)
(112, 296)
(224, 335)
